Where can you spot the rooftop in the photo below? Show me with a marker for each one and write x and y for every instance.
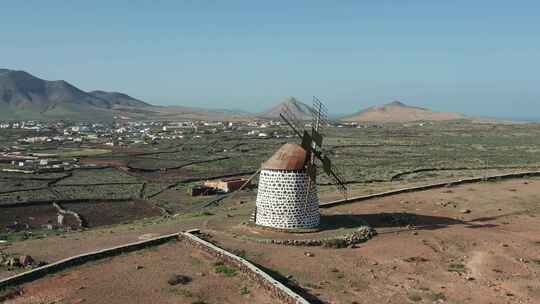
(288, 157)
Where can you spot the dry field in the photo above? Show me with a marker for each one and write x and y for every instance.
(469, 244)
(145, 277)
(477, 243)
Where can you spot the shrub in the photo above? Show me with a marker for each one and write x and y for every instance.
(176, 279)
(219, 267)
(456, 268)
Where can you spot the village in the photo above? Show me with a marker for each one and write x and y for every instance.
(23, 154)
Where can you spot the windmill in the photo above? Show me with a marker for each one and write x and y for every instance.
(288, 196)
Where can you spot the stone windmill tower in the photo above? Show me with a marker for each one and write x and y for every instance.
(287, 197)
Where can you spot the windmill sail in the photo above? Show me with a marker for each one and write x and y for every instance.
(320, 116)
(312, 142)
(288, 116)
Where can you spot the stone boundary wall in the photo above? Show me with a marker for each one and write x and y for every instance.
(429, 187)
(81, 259)
(276, 289)
(62, 201)
(61, 210)
(362, 234)
(401, 174)
(204, 178)
(196, 162)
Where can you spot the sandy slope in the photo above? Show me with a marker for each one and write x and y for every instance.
(399, 112)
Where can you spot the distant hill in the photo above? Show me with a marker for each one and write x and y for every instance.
(24, 96)
(399, 112)
(119, 99)
(301, 110)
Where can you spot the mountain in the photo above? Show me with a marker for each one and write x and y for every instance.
(301, 110)
(399, 112)
(24, 96)
(119, 99)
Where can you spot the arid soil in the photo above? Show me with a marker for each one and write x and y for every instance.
(469, 244)
(142, 277)
(476, 243)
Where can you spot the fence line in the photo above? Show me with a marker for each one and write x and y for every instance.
(428, 187)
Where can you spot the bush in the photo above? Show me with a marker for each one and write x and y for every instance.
(337, 243)
(176, 279)
(456, 268)
(219, 267)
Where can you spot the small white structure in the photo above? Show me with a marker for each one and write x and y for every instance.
(283, 199)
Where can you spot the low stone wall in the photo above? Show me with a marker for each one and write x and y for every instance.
(281, 292)
(429, 187)
(62, 201)
(276, 289)
(81, 259)
(401, 174)
(360, 235)
(63, 211)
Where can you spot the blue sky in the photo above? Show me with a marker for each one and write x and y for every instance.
(477, 57)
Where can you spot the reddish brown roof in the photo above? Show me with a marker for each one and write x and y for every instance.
(288, 157)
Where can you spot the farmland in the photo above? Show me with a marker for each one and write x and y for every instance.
(136, 190)
(372, 158)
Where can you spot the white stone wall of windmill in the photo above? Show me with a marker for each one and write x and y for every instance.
(285, 198)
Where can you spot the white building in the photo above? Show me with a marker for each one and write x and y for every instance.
(283, 199)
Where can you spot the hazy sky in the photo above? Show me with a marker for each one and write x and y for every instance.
(477, 57)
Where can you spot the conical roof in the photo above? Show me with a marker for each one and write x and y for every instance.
(288, 157)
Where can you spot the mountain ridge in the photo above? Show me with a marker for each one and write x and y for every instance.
(301, 110)
(25, 96)
(120, 99)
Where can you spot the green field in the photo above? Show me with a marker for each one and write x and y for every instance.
(371, 159)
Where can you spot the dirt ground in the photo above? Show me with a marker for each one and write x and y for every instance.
(476, 243)
(142, 277)
(468, 244)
